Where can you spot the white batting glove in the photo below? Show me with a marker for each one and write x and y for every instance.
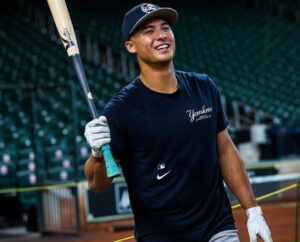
(257, 225)
(97, 134)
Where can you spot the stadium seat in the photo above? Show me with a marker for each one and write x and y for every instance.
(60, 174)
(26, 165)
(27, 178)
(7, 174)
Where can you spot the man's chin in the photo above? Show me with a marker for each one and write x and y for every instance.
(165, 59)
(160, 61)
(164, 62)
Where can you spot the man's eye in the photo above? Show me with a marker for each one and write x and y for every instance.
(149, 32)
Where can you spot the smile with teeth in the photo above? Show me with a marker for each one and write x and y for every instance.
(163, 46)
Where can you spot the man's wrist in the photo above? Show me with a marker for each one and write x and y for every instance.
(97, 153)
(254, 211)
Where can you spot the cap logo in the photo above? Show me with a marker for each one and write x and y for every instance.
(148, 8)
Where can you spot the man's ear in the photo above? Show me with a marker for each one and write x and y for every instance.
(130, 47)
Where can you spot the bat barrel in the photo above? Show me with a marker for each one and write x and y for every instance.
(64, 25)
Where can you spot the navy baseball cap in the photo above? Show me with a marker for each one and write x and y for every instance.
(142, 12)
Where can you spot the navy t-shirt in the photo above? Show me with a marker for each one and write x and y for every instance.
(167, 147)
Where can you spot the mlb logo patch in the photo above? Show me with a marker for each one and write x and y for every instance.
(161, 166)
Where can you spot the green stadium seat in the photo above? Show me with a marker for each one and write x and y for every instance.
(27, 154)
(7, 174)
(60, 174)
(26, 165)
(64, 161)
(27, 178)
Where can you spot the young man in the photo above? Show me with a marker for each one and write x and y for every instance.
(168, 131)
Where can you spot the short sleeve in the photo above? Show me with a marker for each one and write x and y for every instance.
(116, 119)
(222, 121)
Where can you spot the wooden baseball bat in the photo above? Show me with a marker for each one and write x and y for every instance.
(65, 29)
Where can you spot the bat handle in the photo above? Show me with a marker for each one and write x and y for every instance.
(112, 168)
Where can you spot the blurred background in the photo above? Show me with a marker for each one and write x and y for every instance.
(251, 50)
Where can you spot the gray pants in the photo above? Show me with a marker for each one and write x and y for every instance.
(225, 236)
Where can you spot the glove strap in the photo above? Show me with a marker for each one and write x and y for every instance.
(96, 153)
(254, 211)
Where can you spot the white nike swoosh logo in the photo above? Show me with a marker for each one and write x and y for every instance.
(162, 176)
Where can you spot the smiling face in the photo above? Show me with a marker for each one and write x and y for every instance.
(153, 42)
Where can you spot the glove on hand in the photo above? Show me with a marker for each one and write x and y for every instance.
(257, 225)
(97, 134)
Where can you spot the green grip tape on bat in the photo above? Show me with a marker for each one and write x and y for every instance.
(112, 168)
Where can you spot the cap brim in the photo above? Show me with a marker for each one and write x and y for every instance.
(169, 14)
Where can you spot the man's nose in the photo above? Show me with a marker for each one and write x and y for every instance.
(161, 35)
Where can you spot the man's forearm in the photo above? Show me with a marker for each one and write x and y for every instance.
(233, 171)
(95, 172)
(235, 177)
